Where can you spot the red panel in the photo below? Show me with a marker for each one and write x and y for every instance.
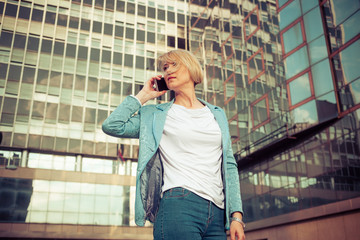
(256, 9)
(285, 55)
(235, 119)
(283, 6)
(266, 97)
(228, 80)
(291, 107)
(252, 79)
(225, 58)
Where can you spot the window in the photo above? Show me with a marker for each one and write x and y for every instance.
(229, 89)
(300, 89)
(251, 23)
(260, 112)
(255, 66)
(293, 37)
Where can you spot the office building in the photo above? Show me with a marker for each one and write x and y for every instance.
(286, 73)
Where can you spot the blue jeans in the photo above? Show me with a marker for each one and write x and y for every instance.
(187, 216)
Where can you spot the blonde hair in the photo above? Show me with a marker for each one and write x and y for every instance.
(184, 58)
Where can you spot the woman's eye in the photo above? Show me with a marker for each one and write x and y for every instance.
(165, 67)
(174, 64)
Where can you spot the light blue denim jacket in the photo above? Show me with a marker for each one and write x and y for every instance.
(131, 120)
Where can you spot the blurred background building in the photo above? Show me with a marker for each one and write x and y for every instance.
(287, 73)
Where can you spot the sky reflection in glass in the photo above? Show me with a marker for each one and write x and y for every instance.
(296, 62)
(300, 89)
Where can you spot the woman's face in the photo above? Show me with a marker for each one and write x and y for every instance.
(177, 79)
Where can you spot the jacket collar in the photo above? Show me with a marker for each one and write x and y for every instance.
(167, 105)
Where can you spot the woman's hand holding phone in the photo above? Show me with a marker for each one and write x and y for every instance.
(149, 92)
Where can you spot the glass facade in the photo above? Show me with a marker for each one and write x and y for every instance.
(285, 72)
(64, 66)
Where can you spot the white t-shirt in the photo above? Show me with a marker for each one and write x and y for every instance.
(191, 153)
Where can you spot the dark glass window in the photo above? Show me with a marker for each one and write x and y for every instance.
(24, 12)
(128, 60)
(181, 43)
(110, 5)
(108, 29)
(141, 10)
(119, 31)
(139, 62)
(38, 110)
(97, 26)
(33, 43)
(83, 52)
(171, 17)
(3, 71)
(74, 22)
(95, 54)
(150, 64)
(59, 48)
(161, 14)
(171, 41)
(6, 39)
(37, 15)
(140, 35)
(120, 6)
(85, 24)
(99, 4)
(77, 113)
(117, 58)
(65, 113)
(151, 12)
(19, 41)
(14, 73)
(88, 2)
(106, 56)
(46, 46)
(1, 7)
(181, 19)
(70, 50)
(11, 10)
(130, 8)
(62, 20)
(50, 17)
(129, 33)
(150, 37)
(28, 75)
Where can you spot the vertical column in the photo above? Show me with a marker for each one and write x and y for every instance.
(78, 163)
(24, 158)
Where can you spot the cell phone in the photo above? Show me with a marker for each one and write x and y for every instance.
(161, 85)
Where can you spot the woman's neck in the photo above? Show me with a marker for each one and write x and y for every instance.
(188, 99)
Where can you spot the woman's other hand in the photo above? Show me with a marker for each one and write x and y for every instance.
(148, 92)
(236, 228)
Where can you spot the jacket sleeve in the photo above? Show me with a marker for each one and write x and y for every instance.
(235, 203)
(124, 121)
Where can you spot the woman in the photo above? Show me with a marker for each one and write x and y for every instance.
(187, 181)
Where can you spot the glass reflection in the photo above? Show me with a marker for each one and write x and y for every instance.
(313, 24)
(317, 50)
(351, 27)
(350, 62)
(300, 89)
(355, 91)
(322, 79)
(296, 62)
(343, 9)
(40, 201)
(292, 38)
(290, 13)
(305, 114)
